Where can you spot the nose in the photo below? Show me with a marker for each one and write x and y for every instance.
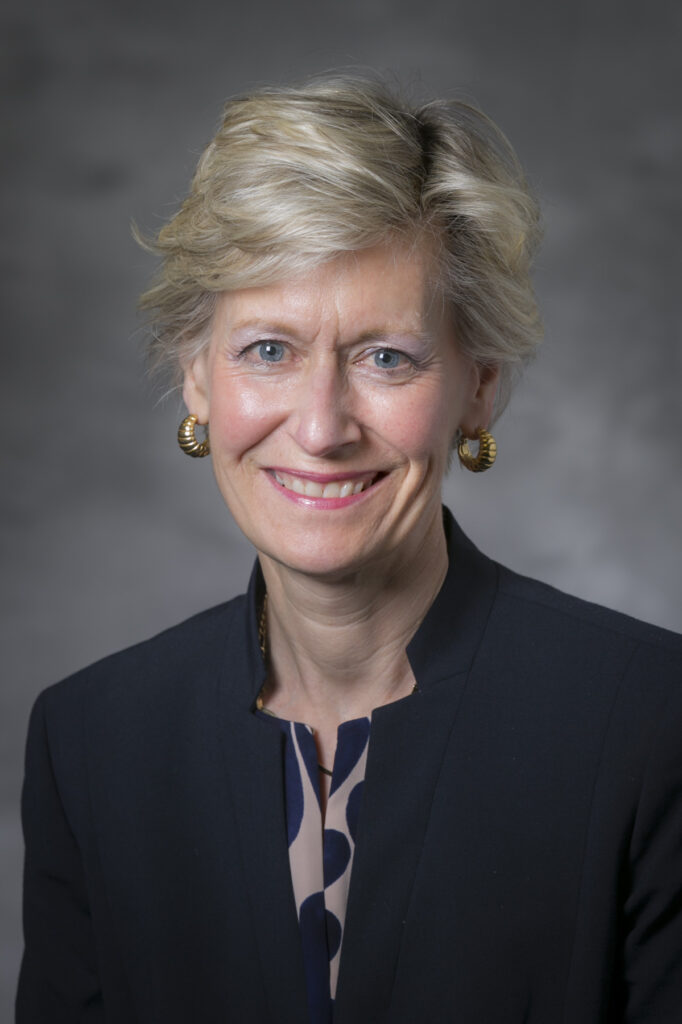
(323, 421)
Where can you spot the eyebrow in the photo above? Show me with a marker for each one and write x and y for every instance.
(379, 334)
(262, 325)
(371, 334)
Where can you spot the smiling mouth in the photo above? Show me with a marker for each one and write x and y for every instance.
(342, 488)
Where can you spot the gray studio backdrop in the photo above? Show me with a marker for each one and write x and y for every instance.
(109, 533)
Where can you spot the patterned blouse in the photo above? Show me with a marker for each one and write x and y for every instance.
(321, 856)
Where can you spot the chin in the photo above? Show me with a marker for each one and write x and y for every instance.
(324, 554)
(323, 565)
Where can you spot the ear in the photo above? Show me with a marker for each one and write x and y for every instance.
(480, 408)
(195, 389)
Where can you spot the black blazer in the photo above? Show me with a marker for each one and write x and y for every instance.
(520, 842)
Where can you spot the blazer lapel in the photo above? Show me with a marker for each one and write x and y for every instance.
(407, 745)
(406, 750)
(253, 760)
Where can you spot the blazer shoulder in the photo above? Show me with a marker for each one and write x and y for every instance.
(585, 617)
(171, 654)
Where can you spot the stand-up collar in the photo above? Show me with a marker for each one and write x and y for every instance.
(254, 664)
(447, 639)
(451, 630)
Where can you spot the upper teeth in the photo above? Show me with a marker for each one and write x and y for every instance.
(313, 489)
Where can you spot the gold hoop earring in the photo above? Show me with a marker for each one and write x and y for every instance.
(487, 451)
(187, 439)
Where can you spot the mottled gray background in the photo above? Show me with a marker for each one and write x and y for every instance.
(109, 533)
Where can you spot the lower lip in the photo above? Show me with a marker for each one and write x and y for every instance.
(324, 503)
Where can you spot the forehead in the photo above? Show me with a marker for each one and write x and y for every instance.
(387, 287)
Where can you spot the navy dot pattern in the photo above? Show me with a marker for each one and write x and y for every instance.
(321, 854)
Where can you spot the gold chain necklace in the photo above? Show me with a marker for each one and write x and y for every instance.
(263, 644)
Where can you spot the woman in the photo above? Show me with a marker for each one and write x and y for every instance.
(497, 766)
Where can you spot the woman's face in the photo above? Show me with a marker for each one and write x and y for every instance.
(332, 400)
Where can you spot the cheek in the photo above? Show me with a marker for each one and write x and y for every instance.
(241, 416)
(421, 426)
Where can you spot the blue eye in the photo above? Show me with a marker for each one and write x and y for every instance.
(387, 359)
(271, 351)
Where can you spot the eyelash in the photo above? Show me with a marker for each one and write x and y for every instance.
(392, 352)
(253, 351)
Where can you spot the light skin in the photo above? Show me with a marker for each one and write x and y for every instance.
(333, 399)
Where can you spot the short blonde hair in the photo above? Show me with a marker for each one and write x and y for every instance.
(296, 176)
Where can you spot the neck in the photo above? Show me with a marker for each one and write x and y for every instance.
(336, 648)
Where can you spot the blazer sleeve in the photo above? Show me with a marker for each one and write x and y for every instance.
(58, 982)
(653, 908)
